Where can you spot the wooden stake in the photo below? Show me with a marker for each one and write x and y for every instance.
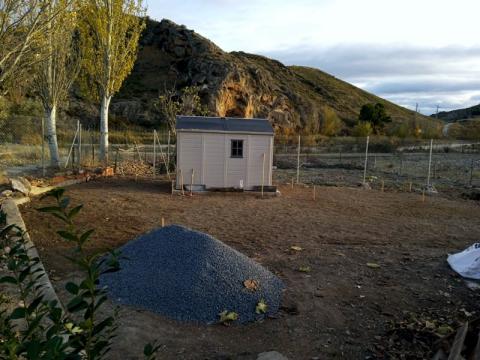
(191, 183)
(383, 185)
(292, 183)
(163, 222)
(314, 192)
(423, 195)
(116, 162)
(172, 186)
(263, 173)
(410, 187)
(181, 183)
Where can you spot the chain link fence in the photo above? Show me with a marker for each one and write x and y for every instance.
(399, 164)
(316, 160)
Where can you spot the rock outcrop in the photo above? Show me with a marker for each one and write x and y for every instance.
(235, 84)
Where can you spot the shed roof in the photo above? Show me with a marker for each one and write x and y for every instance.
(224, 124)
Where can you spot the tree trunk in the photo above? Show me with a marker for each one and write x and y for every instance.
(51, 127)
(104, 128)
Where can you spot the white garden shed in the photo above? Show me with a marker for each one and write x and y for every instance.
(215, 153)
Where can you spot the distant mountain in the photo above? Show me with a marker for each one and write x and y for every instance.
(460, 114)
(236, 84)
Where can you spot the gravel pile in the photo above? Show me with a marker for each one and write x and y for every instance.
(190, 276)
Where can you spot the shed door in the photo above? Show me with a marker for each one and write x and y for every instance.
(191, 157)
(214, 160)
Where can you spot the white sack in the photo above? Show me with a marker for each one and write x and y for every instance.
(467, 262)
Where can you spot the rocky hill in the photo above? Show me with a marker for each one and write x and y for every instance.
(236, 84)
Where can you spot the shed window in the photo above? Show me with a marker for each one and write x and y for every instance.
(237, 149)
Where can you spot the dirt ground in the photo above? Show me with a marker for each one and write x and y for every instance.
(342, 308)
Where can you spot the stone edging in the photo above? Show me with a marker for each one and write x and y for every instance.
(14, 217)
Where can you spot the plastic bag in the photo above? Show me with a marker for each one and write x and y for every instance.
(467, 262)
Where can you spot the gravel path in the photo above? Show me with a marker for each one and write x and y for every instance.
(190, 276)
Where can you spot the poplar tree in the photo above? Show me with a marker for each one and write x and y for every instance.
(58, 69)
(22, 27)
(110, 31)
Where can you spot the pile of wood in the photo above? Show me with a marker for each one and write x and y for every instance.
(134, 168)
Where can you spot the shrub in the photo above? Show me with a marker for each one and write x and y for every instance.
(376, 115)
(330, 124)
(362, 129)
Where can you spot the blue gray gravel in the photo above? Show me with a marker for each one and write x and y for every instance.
(190, 276)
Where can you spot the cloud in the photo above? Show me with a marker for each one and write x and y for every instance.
(447, 76)
(398, 49)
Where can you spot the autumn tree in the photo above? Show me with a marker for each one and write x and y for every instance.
(58, 68)
(23, 24)
(110, 31)
(330, 122)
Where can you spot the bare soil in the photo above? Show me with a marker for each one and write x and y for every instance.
(342, 308)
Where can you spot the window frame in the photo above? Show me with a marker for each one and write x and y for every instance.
(239, 147)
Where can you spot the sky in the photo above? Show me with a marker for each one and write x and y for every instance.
(424, 52)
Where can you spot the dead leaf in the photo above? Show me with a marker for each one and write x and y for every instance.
(228, 316)
(430, 325)
(251, 284)
(261, 307)
(373, 265)
(305, 269)
(443, 330)
(296, 248)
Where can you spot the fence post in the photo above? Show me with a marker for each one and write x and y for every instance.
(366, 161)
(79, 144)
(168, 150)
(471, 173)
(401, 165)
(93, 146)
(71, 149)
(154, 153)
(43, 147)
(429, 164)
(298, 160)
(163, 155)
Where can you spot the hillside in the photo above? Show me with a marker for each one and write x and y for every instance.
(235, 84)
(460, 114)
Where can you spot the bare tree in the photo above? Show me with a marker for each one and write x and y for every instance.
(186, 102)
(169, 106)
(58, 69)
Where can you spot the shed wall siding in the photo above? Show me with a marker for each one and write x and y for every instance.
(259, 145)
(209, 154)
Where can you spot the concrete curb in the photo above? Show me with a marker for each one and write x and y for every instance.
(14, 217)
